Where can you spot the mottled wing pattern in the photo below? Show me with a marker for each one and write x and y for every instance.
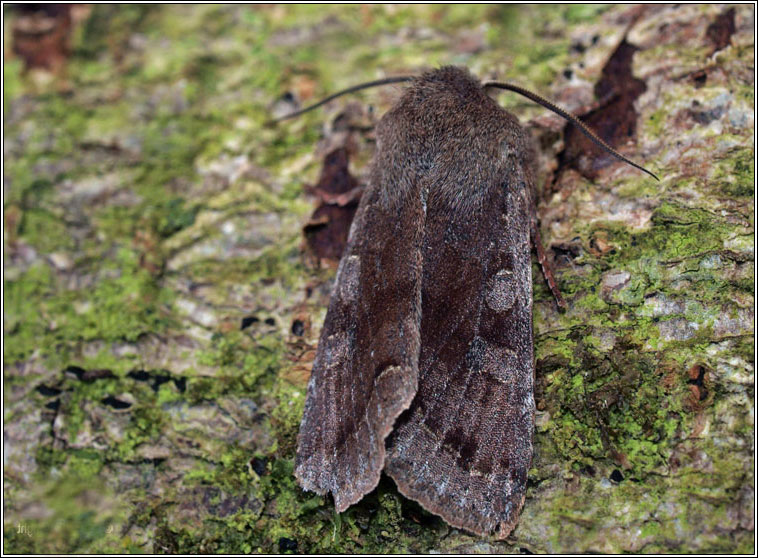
(366, 368)
(464, 446)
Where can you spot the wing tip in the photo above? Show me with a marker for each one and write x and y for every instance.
(474, 519)
(315, 473)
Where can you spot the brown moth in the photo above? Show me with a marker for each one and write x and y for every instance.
(425, 366)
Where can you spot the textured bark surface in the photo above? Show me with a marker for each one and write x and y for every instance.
(160, 317)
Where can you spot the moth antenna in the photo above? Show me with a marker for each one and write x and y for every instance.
(353, 89)
(568, 116)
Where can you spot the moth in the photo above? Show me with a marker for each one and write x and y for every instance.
(425, 365)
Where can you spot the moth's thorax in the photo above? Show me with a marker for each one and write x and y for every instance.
(446, 132)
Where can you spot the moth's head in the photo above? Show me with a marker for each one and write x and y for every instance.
(447, 102)
(444, 91)
(448, 79)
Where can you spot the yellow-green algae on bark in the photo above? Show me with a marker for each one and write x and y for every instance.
(149, 215)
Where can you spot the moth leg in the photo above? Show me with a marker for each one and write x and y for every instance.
(547, 267)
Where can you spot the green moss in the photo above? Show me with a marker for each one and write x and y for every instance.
(110, 25)
(232, 474)
(737, 175)
(124, 307)
(12, 81)
(675, 231)
(609, 405)
(81, 512)
(175, 216)
(656, 121)
(106, 360)
(590, 299)
(280, 264)
(25, 328)
(66, 120)
(242, 363)
(85, 464)
(46, 232)
(169, 149)
(145, 426)
(287, 414)
(676, 234)
(577, 13)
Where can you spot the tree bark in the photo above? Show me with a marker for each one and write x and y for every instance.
(162, 307)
